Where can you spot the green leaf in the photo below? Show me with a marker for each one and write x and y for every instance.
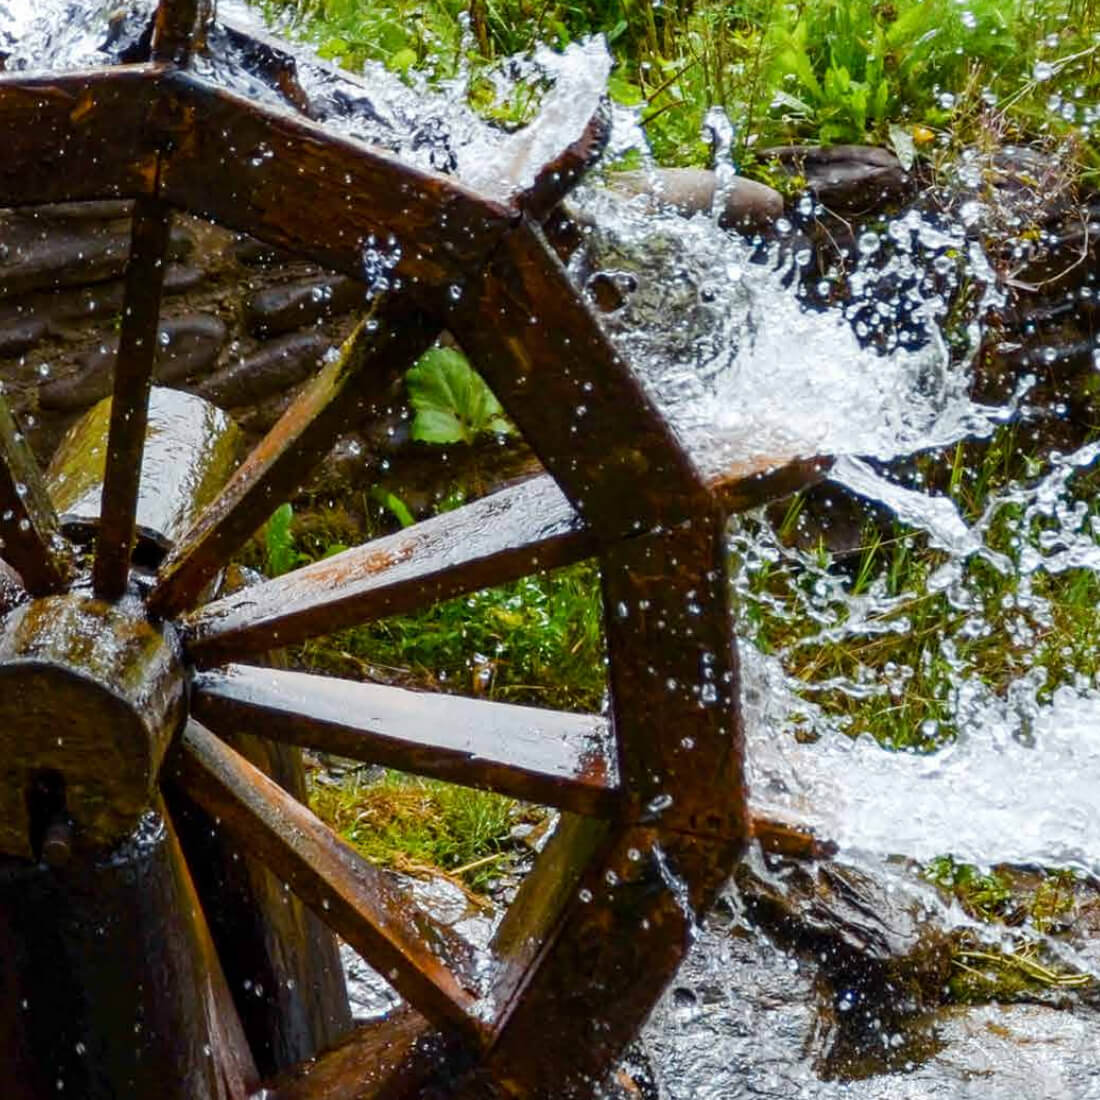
(394, 505)
(904, 148)
(451, 402)
(280, 553)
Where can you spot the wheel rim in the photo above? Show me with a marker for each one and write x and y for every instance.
(652, 797)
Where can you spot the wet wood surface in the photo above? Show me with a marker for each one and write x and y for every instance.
(28, 524)
(377, 352)
(282, 963)
(675, 687)
(386, 1059)
(498, 538)
(110, 986)
(422, 958)
(175, 29)
(336, 201)
(543, 756)
(133, 378)
(540, 348)
(78, 136)
(623, 934)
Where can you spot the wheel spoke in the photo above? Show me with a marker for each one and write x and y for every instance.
(421, 957)
(28, 524)
(175, 27)
(543, 756)
(378, 1060)
(628, 476)
(493, 540)
(379, 349)
(130, 406)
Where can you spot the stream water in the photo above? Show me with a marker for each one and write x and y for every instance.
(726, 338)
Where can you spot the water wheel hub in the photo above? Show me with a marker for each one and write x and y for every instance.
(91, 694)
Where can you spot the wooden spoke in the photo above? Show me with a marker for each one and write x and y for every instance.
(29, 541)
(382, 1059)
(624, 478)
(675, 679)
(130, 406)
(626, 927)
(175, 28)
(77, 136)
(421, 958)
(543, 756)
(493, 540)
(348, 207)
(748, 484)
(380, 348)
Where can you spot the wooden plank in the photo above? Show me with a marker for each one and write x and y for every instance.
(623, 934)
(378, 351)
(752, 482)
(386, 1059)
(78, 136)
(422, 958)
(282, 963)
(347, 206)
(493, 540)
(573, 397)
(130, 406)
(543, 756)
(29, 540)
(175, 28)
(675, 679)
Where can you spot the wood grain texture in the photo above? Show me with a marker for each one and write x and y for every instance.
(175, 28)
(29, 540)
(543, 756)
(498, 538)
(133, 380)
(78, 136)
(293, 184)
(575, 400)
(377, 352)
(675, 685)
(423, 959)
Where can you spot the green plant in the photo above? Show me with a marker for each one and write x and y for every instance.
(422, 825)
(450, 401)
(280, 553)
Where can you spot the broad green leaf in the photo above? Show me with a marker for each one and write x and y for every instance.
(451, 402)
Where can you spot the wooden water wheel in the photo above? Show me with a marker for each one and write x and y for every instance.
(129, 930)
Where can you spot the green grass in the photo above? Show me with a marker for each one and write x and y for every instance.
(928, 75)
(424, 825)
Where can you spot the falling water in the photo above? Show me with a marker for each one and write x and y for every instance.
(745, 362)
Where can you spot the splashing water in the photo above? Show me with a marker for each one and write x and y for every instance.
(745, 365)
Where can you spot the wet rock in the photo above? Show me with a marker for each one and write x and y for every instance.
(275, 367)
(186, 346)
(20, 336)
(747, 205)
(69, 212)
(848, 179)
(256, 253)
(30, 261)
(282, 309)
(39, 256)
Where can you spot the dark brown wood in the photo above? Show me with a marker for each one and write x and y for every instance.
(543, 756)
(282, 963)
(175, 29)
(77, 136)
(749, 484)
(674, 679)
(28, 524)
(380, 348)
(386, 1059)
(348, 207)
(91, 693)
(577, 403)
(110, 987)
(493, 540)
(130, 404)
(423, 959)
(623, 934)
